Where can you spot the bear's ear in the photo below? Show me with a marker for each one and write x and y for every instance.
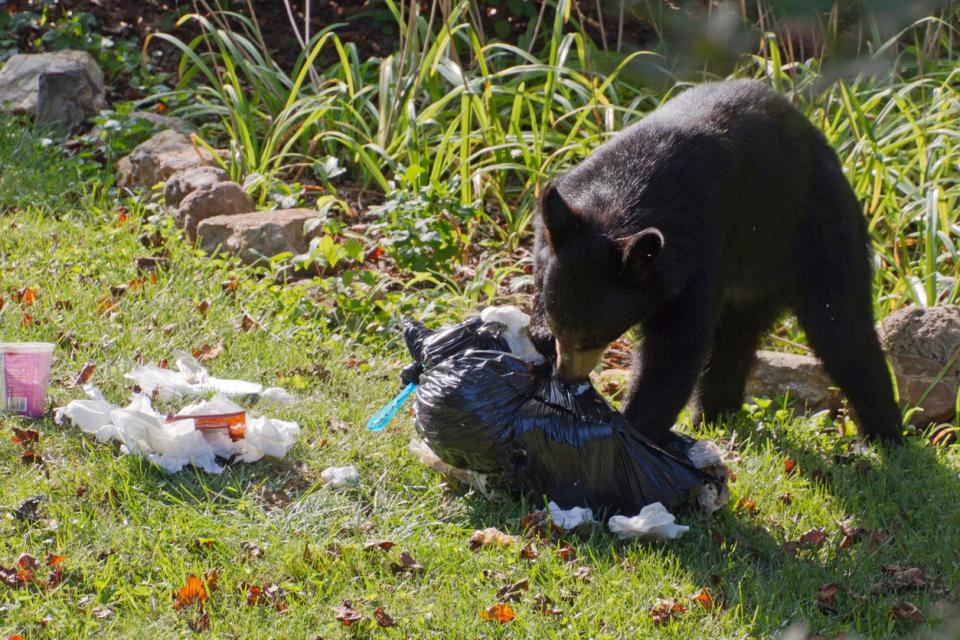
(559, 220)
(639, 253)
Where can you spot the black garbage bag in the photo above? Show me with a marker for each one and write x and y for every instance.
(479, 407)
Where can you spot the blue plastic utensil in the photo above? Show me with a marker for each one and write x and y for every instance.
(382, 417)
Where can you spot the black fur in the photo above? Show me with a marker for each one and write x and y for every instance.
(702, 223)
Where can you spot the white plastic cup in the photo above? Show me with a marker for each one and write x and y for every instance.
(24, 376)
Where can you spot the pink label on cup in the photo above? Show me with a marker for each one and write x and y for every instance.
(24, 384)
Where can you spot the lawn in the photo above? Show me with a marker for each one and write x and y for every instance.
(433, 168)
(132, 534)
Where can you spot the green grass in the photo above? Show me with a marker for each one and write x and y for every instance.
(129, 531)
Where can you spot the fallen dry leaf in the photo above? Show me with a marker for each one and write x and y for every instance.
(101, 613)
(703, 598)
(746, 504)
(54, 560)
(345, 613)
(24, 436)
(529, 552)
(55, 577)
(566, 552)
(193, 591)
(84, 376)
(664, 610)
(513, 591)
(813, 538)
(544, 605)
(26, 319)
(490, 535)
(500, 612)
(250, 550)
(406, 566)
(207, 352)
(904, 610)
(248, 324)
(201, 622)
(28, 456)
(384, 545)
(106, 304)
(789, 464)
(211, 577)
(785, 498)
(203, 307)
(383, 618)
(826, 597)
(26, 296)
(899, 579)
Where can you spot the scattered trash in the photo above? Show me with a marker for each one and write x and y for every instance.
(278, 396)
(340, 477)
(24, 375)
(653, 521)
(190, 379)
(479, 407)
(199, 434)
(569, 518)
(382, 417)
(425, 454)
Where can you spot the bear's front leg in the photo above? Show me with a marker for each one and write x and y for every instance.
(675, 345)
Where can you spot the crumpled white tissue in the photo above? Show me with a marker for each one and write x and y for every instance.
(427, 456)
(190, 379)
(173, 445)
(705, 453)
(339, 477)
(517, 333)
(653, 521)
(569, 518)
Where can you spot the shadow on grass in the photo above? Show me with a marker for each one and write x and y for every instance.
(902, 503)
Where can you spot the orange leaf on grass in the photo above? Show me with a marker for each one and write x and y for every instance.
(207, 352)
(193, 591)
(500, 612)
(24, 436)
(789, 464)
(25, 296)
(26, 319)
(704, 598)
(746, 504)
(490, 535)
(814, 537)
(54, 560)
(904, 610)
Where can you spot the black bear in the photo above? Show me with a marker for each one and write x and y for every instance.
(701, 224)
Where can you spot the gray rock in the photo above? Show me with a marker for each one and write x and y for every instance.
(221, 199)
(183, 183)
(252, 235)
(159, 158)
(20, 78)
(801, 378)
(66, 99)
(921, 342)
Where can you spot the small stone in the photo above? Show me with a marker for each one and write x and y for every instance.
(213, 200)
(159, 158)
(20, 78)
(254, 236)
(66, 99)
(183, 183)
(801, 378)
(921, 342)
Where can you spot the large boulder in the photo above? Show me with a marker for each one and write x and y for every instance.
(159, 158)
(183, 183)
(20, 81)
(923, 343)
(255, 235)
(213, 200)
(801, 378)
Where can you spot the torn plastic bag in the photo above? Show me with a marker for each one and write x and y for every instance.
(481, 408)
